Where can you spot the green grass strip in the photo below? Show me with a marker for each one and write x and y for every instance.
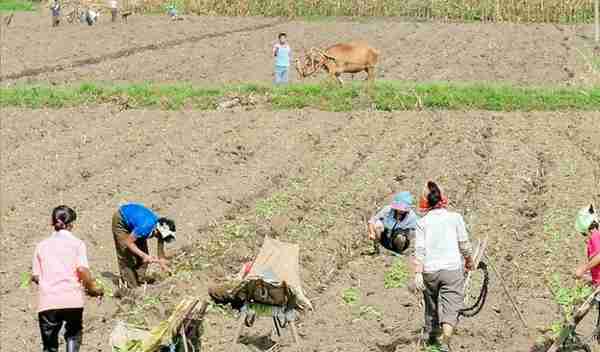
(16, 5)
(383, 96)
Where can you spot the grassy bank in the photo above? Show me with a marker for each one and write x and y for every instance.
(15, 5)
(558, 11)
(385, 96)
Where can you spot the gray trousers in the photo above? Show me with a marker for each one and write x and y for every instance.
(444, 296)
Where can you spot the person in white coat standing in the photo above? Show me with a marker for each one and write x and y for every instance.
(441, 244)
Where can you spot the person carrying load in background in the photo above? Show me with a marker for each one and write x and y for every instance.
(132, 225)
(394, 225)
(441, 242)
(61, 270)
(55, 9)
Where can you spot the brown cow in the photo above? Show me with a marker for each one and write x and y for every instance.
(352, 57)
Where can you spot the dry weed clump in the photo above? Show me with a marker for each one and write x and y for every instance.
(518, 11)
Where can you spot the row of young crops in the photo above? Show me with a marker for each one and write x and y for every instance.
(518, 11)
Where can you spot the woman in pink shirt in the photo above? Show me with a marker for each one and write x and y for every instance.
(588, 224)
(61, 270)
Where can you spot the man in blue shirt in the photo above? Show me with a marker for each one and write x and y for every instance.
(282, 53)
(132, 225)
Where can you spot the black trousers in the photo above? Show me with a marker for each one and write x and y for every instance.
(51, 321)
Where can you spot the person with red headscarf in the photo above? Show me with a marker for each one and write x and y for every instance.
(441, 244)
(424, 205)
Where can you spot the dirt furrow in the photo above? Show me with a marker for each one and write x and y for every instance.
(181, 189)
(311, 178)
(132, 51)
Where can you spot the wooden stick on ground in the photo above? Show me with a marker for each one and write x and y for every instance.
(510, 298)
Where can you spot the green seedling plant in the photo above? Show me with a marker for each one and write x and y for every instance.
(274, 205)
(397, 276)
(568, 299)
(219, 309)
(351, 296)
(236, 231)
(432, 348)
(137, 314)
(25, 280)
(105, 286)
(555, 328)
(370, 312)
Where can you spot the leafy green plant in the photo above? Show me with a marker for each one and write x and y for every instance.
(432, 348)
(131, 346)
(274, 205)
(218, 309)
(108, 289)
(25, 281)
(16, 5)
(351, 296)
(556, 328)
(370, 312)
(568, 297)
(397, 276)
(233, 231)
(137, 313)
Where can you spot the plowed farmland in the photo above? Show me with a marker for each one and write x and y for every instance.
(304, 176)
(217, 50)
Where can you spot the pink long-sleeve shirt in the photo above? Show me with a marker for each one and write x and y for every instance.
(55, 263)
(593, 248)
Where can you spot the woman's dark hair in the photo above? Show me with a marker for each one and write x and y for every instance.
(594, 225)
(62, 217)
(169, 223)
(281, 35)
(435, 195)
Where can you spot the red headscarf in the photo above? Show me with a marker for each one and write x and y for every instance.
(424, 205)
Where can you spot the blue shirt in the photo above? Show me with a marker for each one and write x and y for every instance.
(282, 56)
(387, 217)
(140, 220)
(391, 224)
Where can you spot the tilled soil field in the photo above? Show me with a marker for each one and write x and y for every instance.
(212, 50)
(307, 177)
